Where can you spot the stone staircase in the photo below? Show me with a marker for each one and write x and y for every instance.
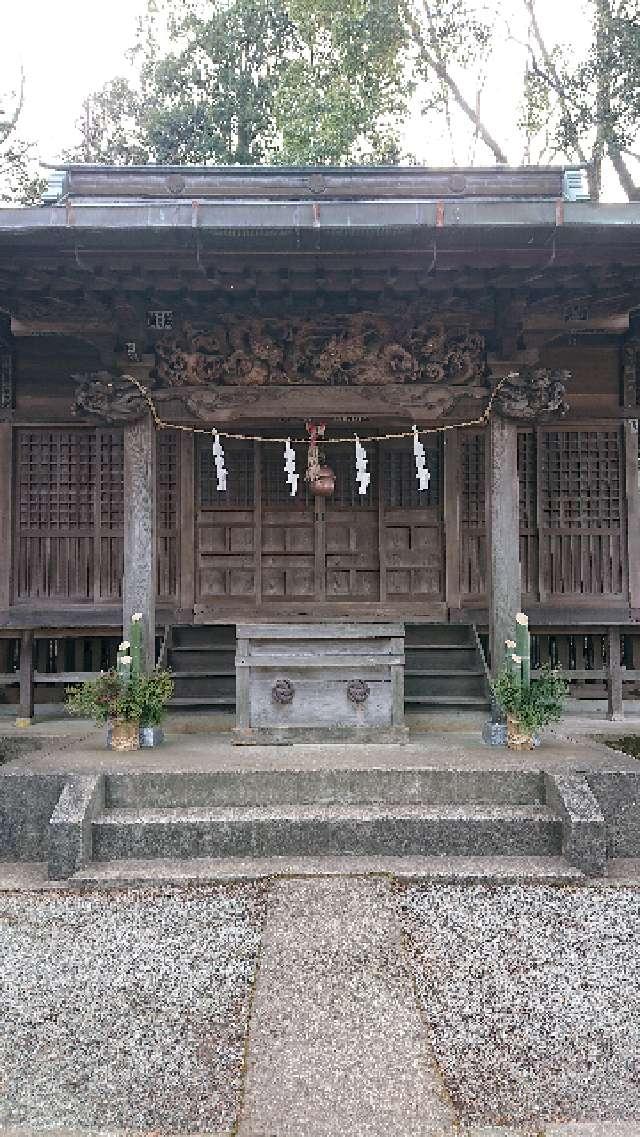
(444, 668)
(384, 812)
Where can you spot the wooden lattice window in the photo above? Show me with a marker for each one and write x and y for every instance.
(400, 482)
(582, 547)
(56, 477)
(472, 460)
(111, 451)
(342, 460)
(580, 479)
(167, 481)
(239, 462)
(70, 515)
(275, 488)
(168, 532)
(473, 541)
(527, 479)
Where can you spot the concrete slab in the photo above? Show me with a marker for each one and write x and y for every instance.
(460, 750)
(563, 1129)
(336, 1043)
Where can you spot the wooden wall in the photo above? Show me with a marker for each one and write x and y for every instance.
(65, 514)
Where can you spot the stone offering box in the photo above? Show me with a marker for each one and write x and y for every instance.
(319, 683)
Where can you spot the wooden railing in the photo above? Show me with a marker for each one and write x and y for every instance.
(598, 663)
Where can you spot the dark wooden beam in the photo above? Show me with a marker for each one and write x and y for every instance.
(615, 707)
(452, 518)
(633, 510)
(25, 710)
(6, 511)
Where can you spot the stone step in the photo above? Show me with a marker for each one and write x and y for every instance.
(429, 787)
(487, 870)
(309, 830)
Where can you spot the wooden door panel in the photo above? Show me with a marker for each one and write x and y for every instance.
(352, 554)
(225, 545)
(352, 584)
(288, 539)
(288, 581)
(412, 526)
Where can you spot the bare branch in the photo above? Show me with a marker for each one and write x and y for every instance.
(443, 74)
(627, 182)
(552, 76)
(7, 127)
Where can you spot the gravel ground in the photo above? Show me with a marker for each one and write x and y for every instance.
(532, 995)
(126, 1010)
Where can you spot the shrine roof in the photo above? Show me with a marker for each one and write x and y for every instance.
(520, 215)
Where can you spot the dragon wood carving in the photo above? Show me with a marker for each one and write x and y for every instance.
(533, 395)
(360, 349)
(206, 370)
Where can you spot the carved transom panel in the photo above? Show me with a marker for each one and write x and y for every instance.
(358, 349)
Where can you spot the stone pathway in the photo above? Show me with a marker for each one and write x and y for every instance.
(336, 1044)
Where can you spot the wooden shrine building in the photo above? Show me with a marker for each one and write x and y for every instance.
(255, 301)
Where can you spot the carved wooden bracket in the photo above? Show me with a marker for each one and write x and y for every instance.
(533, 394)
(631, 372)
(109, 398)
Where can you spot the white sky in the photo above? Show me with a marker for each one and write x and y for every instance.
(70, 47)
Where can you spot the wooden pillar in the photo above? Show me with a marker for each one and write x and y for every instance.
(139, 583)
(25, 710)
(452, 518)
(186, 522)
(6, 498)
(504, 536)
(633, 510)
(614, 676)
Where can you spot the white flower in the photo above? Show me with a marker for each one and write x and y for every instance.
(125, 659)
(124, 646)
(136, 618)
(510, 644)
(516, 658)
(522, 618)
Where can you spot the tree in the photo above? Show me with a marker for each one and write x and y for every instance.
(343, 97)
(594, 103)
(573, 106)
(18, 180)
(250, 81)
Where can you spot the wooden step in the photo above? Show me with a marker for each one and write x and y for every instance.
(410, 646)
(467, 701)
(204, 701)
(444, 672)
(209, 648)
(202, 674)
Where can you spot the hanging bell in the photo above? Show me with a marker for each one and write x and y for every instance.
(322, 480)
